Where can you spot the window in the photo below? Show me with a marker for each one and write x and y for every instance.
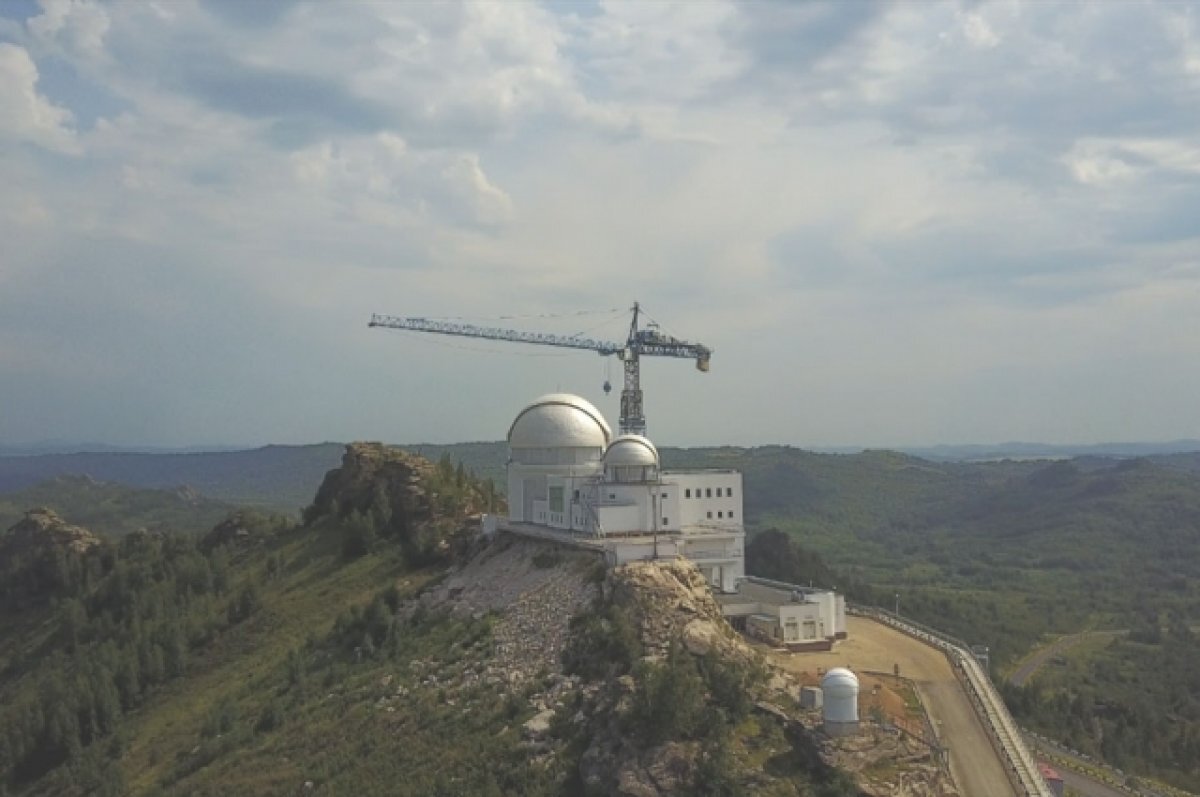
(664, 495)
(708, 490)
(576, 495)
(731, 514)
(710, 515)
(729, 492)
(666, 522)
(720, 515)
(687, 493)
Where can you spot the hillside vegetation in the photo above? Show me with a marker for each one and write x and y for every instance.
(1003, 554)
(113, 510)
(376, 647)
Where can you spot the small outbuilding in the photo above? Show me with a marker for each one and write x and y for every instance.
(840, 689)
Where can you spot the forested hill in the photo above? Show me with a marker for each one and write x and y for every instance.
(852, 488)
(278, 478)
(114, 510)
(377, 647)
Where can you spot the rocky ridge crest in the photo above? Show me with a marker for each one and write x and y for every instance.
(42, 530)
(371, 474)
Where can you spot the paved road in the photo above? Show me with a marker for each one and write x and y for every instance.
(1086, 786)
(974, 764)
(1083, 784)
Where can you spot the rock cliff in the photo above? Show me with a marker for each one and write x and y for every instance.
(42, 530)
(374, 477)
(43, 557)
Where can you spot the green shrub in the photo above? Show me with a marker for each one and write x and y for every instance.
(669, 700)
(602, 642)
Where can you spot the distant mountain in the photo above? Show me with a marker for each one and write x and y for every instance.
(71, 447)
(1017, 450)
(275, 477)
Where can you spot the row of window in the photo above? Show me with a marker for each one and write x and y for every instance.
(708, 492)
(721, 515)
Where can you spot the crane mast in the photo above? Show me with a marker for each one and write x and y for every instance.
(641, 341)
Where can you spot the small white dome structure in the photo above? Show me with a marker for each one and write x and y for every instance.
(559, 420)
(631, 458)
(839, 687)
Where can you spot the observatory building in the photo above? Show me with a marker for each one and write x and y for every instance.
(570, 478)
(568, 474)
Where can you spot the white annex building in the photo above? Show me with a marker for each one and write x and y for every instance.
(568, 473)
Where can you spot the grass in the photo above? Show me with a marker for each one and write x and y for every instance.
(245, 663)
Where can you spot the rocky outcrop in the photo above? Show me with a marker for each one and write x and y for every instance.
(888, 763)
(375, 478)
(42, 530)
(230, 530)
(673, 602)
(41, 558)
(671, 605)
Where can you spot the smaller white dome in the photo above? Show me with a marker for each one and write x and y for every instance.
(631, 449)
(841, 680)
(840, 690)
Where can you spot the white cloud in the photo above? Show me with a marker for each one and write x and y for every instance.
(834, 196)
(1098, 161)
(451, 186)
(1095, 162)
(76, 27)
(29, 116)
(978, 31)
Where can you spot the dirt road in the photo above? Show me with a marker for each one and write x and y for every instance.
(974, 764)
(1037, 660)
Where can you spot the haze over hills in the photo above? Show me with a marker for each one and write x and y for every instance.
(1014, 449)
(276, 477)
(279, 477)
(999, 552)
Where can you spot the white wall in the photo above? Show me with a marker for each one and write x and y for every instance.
(807, 619)
(705, 498)
(530, 471)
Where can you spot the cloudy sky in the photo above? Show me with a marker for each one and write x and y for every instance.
(893, 224)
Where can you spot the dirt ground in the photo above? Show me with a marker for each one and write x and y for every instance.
(974, 764)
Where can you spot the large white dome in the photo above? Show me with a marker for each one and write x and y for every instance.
(631, 449)
(559, 420)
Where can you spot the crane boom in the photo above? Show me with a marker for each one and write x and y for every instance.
(493, 333)
(649, 341)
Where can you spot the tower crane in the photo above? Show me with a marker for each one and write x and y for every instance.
(642, 341)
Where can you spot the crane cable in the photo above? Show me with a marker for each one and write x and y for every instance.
(567, 314)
